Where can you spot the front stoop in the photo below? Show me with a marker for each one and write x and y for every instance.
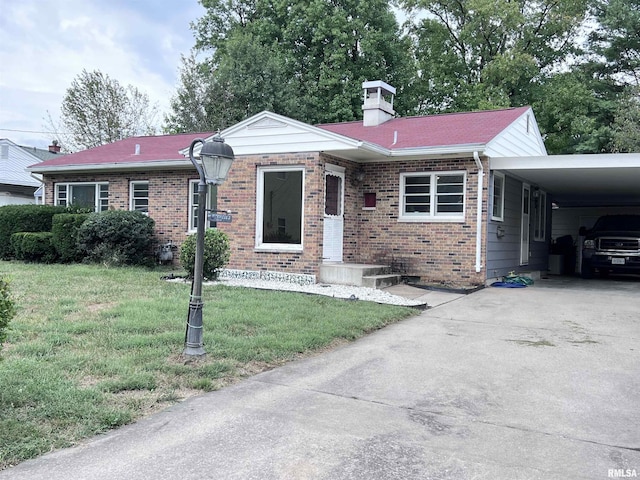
(359, 275)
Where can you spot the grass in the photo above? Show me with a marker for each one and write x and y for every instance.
(93, 348)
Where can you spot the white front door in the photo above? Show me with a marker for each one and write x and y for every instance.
(333, 213)
(524, 230)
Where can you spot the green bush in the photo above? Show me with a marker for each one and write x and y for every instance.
(216, 253)
(117, 237)
(34, 246)
(65, 228)
(26, 218)
(7, 309)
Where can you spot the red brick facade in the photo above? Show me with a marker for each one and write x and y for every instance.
(434, 251)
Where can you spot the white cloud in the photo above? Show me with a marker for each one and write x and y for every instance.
(45, 44)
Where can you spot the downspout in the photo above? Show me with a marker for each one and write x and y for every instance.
(476, 157)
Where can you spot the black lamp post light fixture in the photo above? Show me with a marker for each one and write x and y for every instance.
(212, 165)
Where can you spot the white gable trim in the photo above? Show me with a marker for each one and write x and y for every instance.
(521, 138)
(268, 132)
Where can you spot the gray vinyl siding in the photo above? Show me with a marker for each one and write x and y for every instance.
(503, 253)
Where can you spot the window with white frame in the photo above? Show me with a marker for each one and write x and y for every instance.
(280, 207)
(497, 211)
(193, 204)
(89, 195)
(540, 215)
(433, 196)
(139, 196)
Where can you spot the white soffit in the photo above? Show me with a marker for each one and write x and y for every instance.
(598, 174)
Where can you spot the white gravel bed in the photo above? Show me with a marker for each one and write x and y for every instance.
(336, 291)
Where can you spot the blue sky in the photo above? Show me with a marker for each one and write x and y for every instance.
(45, 44)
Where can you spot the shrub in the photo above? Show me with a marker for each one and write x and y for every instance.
(33, 246)
(117, 237)
(65, 228)
(26, 218)
(216, 253)
(7, 309)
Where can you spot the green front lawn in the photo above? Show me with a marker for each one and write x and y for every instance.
(92, 348)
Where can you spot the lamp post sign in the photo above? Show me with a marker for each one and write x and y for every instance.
(212, 166)
(220, 217)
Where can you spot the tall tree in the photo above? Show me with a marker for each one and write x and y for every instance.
(194, 100)
(489, 53)
(618, 38)
(97, 109)
(306, 60)
(626, 126)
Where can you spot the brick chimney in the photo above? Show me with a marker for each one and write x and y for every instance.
(378, 103)
(54, 147)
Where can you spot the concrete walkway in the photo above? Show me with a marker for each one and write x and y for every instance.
(533, 383)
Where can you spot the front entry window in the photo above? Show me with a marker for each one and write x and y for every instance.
(280, 206)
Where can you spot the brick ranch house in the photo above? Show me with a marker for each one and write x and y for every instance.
(415, 194)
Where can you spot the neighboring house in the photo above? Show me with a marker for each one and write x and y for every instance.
(17, 185)
(418, 194)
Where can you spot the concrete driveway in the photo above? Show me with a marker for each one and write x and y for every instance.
(532, 383)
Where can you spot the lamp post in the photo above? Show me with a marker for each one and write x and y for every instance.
(213, 166)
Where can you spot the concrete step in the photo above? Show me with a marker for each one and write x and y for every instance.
(349, 273)
(380, 281)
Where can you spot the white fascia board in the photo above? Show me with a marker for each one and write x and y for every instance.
(551, 162)
(448, 150)
(112, 167)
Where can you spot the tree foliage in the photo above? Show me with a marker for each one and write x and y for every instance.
(478, 54)
(97, 110)
(305, 60)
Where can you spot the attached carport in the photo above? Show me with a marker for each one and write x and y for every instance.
(581, 188)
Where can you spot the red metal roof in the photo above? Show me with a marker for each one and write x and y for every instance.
(432, 130)
(153, 148)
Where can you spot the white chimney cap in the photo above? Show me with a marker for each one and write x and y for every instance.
(375, 84)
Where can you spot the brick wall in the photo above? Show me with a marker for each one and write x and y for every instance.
(435, 252)
(168, 197)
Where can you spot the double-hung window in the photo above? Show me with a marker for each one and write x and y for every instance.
(497, 212)
(89, 195)
(139, 196)
(280, 207)
(432, 196)
(193, 204)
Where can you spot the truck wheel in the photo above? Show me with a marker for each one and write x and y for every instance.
(586, 271)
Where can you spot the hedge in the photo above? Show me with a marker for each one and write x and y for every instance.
(26, 218)
(7, 309)
(117, 237)
(65, 229)
(34, 246)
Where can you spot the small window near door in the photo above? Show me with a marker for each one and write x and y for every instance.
(540, 215)
(497, 212)
(333, 195)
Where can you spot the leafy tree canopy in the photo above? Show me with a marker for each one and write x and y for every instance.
(306, 60)
(97, 109)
